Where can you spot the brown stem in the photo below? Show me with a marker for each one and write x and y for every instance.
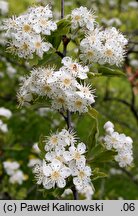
(62, 9)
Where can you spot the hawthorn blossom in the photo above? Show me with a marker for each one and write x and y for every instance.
(103, 46)
(5, 112)
(12, 169)
(121, 143)
(64, 157)
(81, 175)
(81, 17)
(17, 178)
(74, 68)
(76, 153)
(33, 162)
(56, 174)
(61, 86)
(26, 32)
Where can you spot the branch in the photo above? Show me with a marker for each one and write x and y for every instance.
(131, 106)
(62, 9)
(67, 118)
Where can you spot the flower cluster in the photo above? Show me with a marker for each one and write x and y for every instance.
(12, 169)
(103, 46)
(61, 86)
(81, 17)
(121, 143)
(64, 157)
(26, 32)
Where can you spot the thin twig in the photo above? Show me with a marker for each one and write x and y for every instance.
(67, 118)
(62, 9)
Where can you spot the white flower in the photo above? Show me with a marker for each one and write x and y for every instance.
(17, 178)
(24, 98)
(109, 127)
(11, 167)
(112, 141)
(36, 148)
(74, 68)
(39, 175)
(5, 112)
(44, 26)
(63, 159)
(3, 127)
(107, 46)
(121, 143)
(76, 153)
(86, 92)
(56, 174)
(25, 32)
(4, 7)
(52, 142)
(82, 177)
(40, 46)
(57, 154)
(33, 162)
(67, 137)
(124, 159)
(61, 87)
(87, 191)
(77, 103)
(81, 17)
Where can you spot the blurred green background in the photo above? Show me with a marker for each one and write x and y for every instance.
(116, 100)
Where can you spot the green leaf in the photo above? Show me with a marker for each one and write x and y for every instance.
(98, 174)
(63, 27)
(94, 133)
(105, 71)
(102, 157)
(93, 113)
(55, 40)
(92, 75)
(41, 143)
(34, 61)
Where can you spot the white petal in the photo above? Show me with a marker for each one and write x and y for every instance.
(81, 148)
(61, 183)
(81, 163)
(37, 29)
(82, 76)
(66, 61)
(56, 164)
(48, 184)
(67, 155)
(77, 181)
(50, 156)
(65, 172)
(72, 149)
(73, 168)
(47, 170)
(87, 170)
(46, 47)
